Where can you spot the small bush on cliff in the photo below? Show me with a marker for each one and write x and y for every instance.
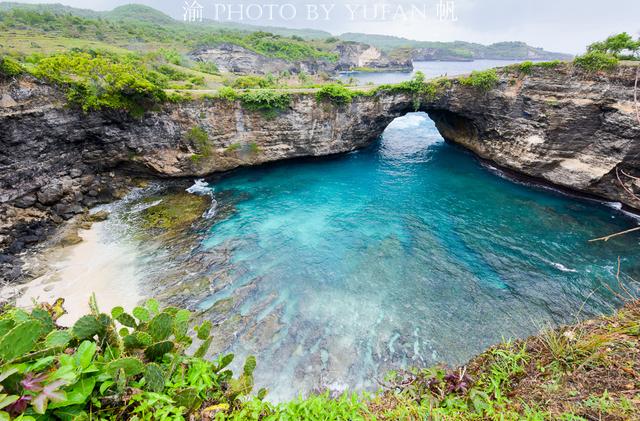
(335, 93)
(200, 139)
(595, 61)
(484, 80)
(10, 67)
(227, 93)
(267, 101)
(526, 67)
(114, 366)
(253, 82)
(96, 81)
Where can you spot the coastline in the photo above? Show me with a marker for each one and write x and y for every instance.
(106, 268)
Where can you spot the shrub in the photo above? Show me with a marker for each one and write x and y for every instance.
(267, 101)
(113, 366)
(549, 64)
(200, 139)
(525, 67)
(335, 93)
(227, 93)
(95, 81)
(620, 46)
(484, 80)
(9, 67)
(595, 61)
(207, 67)
(253, 82)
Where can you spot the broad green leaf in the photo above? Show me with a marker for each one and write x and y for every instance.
(86, 327)
(78, 393)
(116, 312)
(141, 314)
(153, 306)
(130, 365)
(161, 326)
(204, 330)
(249, 365)
(58, 338)
(84, 354)
(20, 340)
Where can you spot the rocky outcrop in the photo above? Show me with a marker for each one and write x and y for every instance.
(359, 56)
(239, 60)
(236, 59)
(558, 125)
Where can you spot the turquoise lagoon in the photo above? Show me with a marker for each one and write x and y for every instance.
(408, 253)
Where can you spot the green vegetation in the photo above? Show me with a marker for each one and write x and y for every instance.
(200, 139)
(142, 25)
(267, 101)
(335, 93)
(272, 45)
(457, 49)
(595, 61)
(621, 46)
(605, 55)
(114, 366)
(484, 80)
(526, 67)
(9, 67)
(118, 365)
(253, 82)
(174, 212)
(96, 81)
(549, 64)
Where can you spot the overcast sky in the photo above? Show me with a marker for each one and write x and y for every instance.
(557, 25)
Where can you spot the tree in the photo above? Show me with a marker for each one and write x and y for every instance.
(620, 45)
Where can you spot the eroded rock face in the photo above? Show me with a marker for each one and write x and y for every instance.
(356, 55)
(236, 59)
(558, 125)
(233, 58)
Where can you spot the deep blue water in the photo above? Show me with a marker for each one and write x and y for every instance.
(407, 253)
(431, 69)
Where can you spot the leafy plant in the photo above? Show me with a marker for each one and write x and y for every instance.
(267, 101)
(253, 82)
(95, 81)
(118, 365)
(335, 93)
(484, 80)
(10, 67)
(620, 46)
(595, 61)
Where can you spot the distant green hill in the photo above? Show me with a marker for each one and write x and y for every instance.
(459, 49)
(138, 12)
(142, 13)
(141, 28)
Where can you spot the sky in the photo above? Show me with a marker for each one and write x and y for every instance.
(556, 25)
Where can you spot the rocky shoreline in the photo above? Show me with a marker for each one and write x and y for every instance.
(561, 126)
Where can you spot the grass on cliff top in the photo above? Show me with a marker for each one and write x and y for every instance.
(589, 371)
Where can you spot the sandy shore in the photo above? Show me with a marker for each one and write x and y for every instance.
(108, 269)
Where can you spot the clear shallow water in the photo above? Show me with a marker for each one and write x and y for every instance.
(431, 69)
(407, 253)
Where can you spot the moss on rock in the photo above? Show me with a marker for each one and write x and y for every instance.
(175, 211)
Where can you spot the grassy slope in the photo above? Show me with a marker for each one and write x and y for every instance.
(590, 370)
(147, 15)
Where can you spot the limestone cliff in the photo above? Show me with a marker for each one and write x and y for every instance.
(558, 125)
